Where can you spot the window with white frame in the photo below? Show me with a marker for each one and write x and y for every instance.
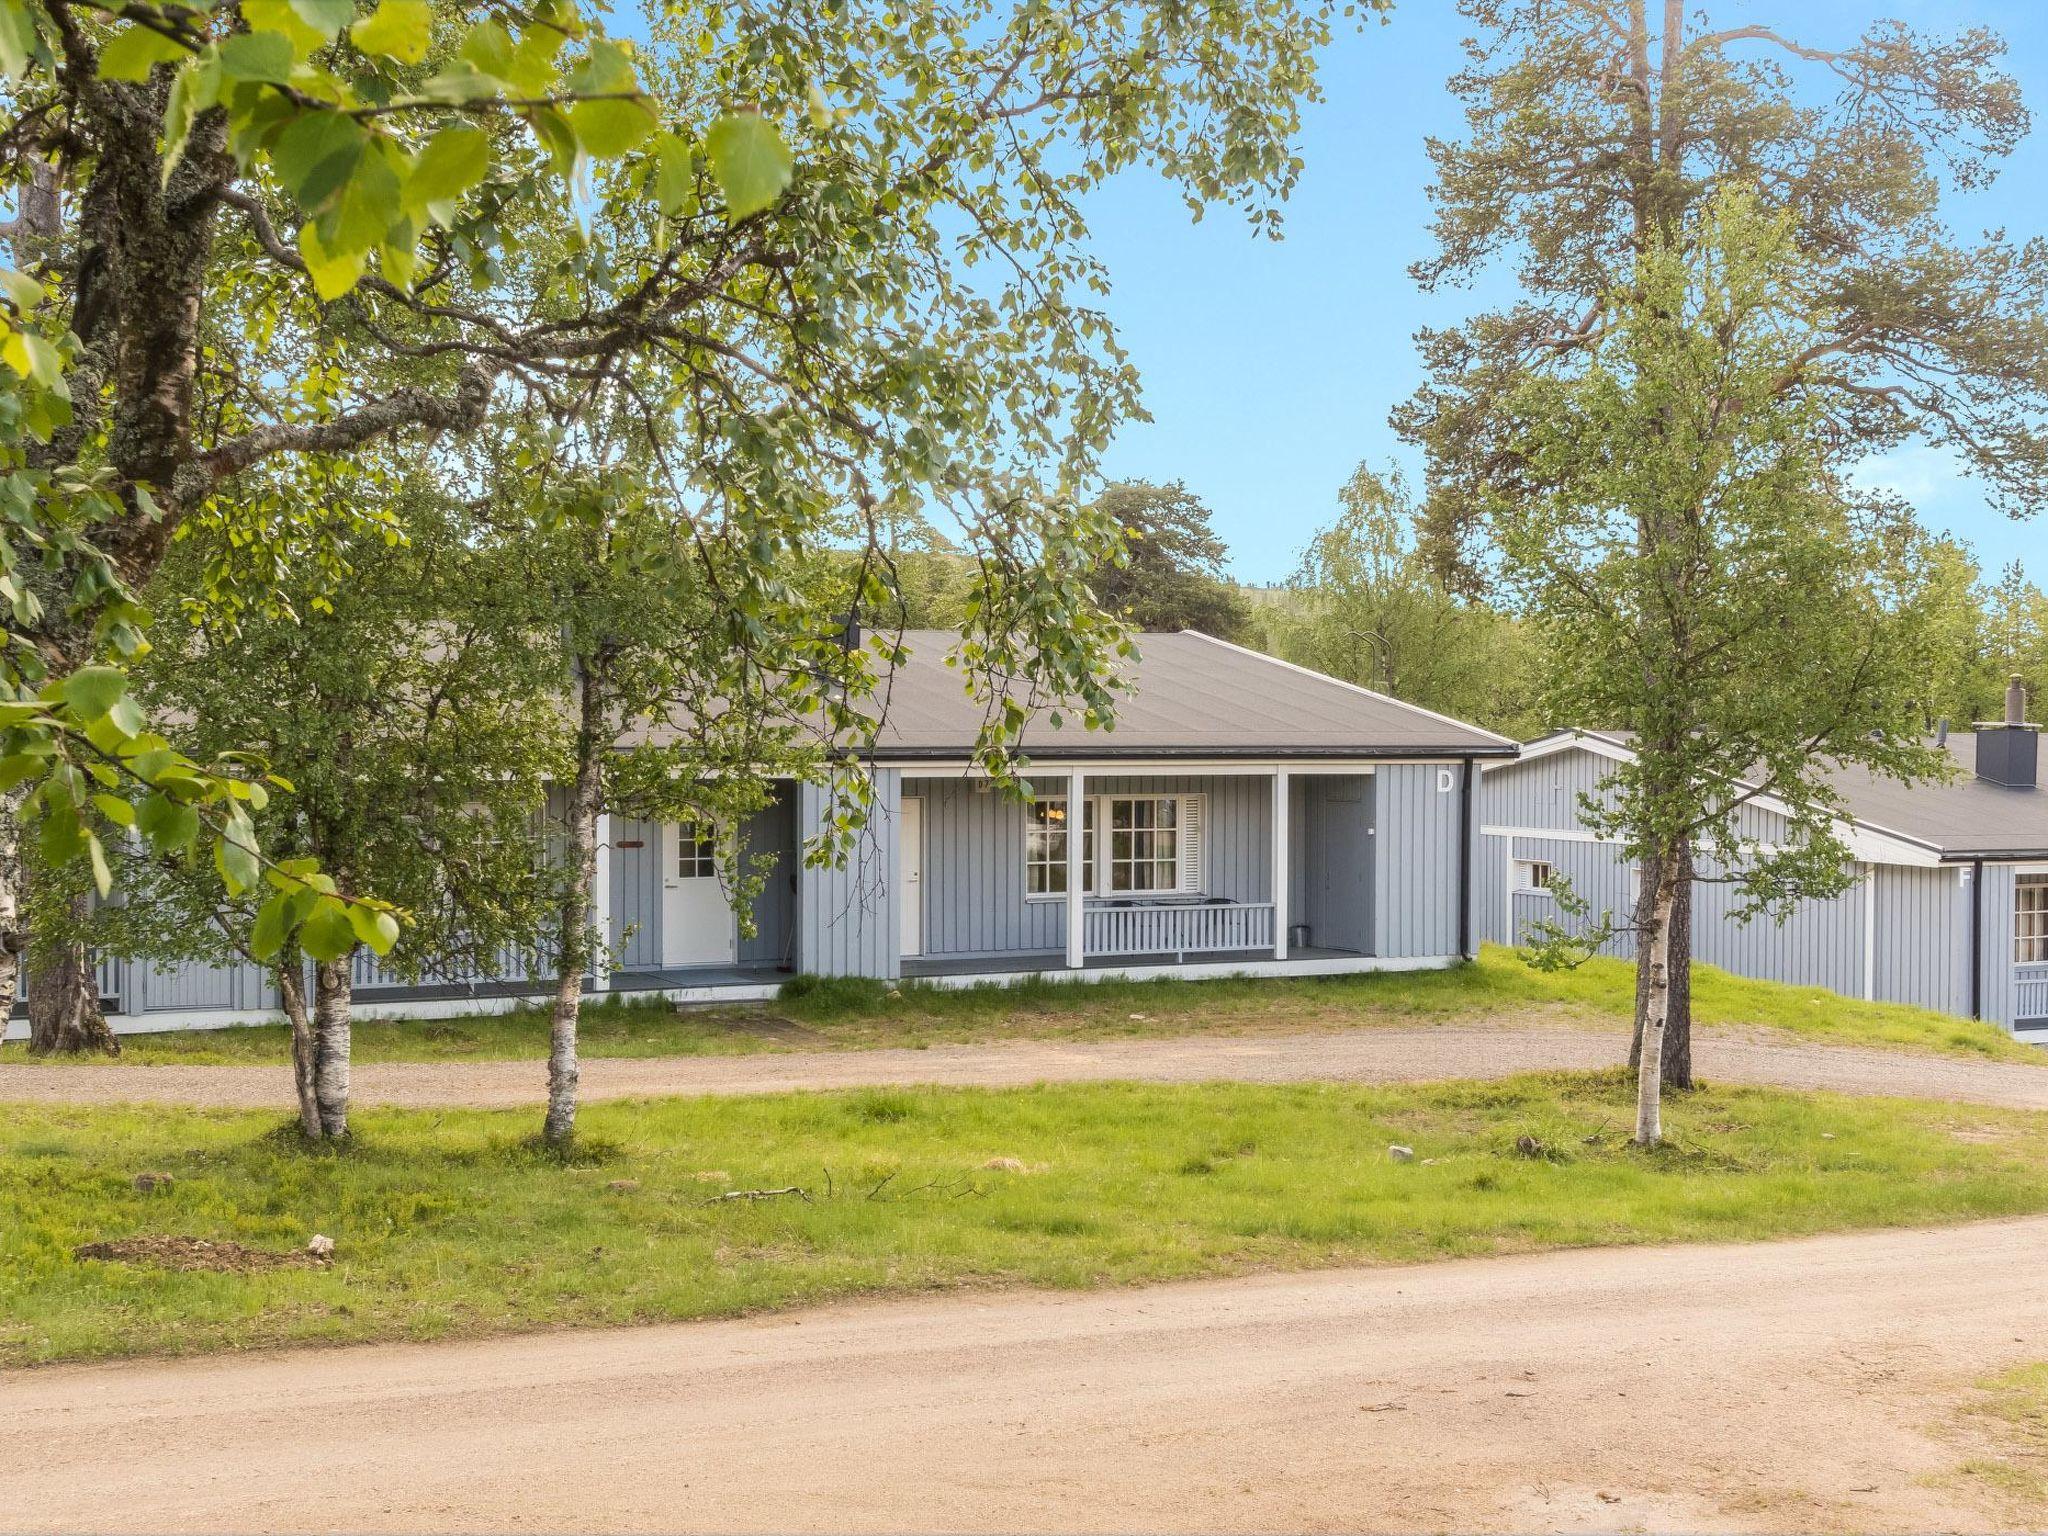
(1045, 846)
(2030, 920)
(1153, 845)
(1532, 874)
(696, 852)
(1144, 843)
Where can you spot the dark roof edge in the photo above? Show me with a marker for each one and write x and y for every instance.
(884, 757)
(1994, 855)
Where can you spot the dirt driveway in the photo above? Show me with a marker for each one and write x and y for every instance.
(1367, 1056)
(1808, 1385)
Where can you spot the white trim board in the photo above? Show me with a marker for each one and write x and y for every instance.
(1334, 965)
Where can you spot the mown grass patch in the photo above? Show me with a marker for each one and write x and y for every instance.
(452, 1223)
(818, 1013)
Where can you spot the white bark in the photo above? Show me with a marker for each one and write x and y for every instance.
(12, 940)
(1657, 1011)
(332, 991)
(586, 800)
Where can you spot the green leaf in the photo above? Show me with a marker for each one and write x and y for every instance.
(20, 768)
(115, 809)
(607, 129)
(18, 40)
(675, 175)
(33, 358)
(326, 17)
(196, 87)
(450, 163)
(749, 160)
(397, 29)
(266, 938)
(132, 53)
(92, 691)
(328, 934)
(334, 273)
(23, 291)
(262, 57)
(316, 153)
(102, 876)
(375, 927)
(234, 855)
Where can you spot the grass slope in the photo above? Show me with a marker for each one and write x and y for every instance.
(851, 1014)
(451, 1224)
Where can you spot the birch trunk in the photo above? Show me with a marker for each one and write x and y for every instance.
(332, 989)
(585, 797)
(291, 991)
(1657, 962)
(12, 940)
(64, 1017)
(1678, 1019)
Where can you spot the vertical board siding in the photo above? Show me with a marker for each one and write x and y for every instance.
(848, 922)
(1415, 860)
(1543, 791)
(975, 904)
(1922, 937)
(1331, 885)
(772, 829)
(195, 985)
(1820, 943)
(636, 894)
(1596, 873)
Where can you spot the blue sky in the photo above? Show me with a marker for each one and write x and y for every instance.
(1269, 368)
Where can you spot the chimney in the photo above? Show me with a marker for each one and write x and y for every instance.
(2008, 751)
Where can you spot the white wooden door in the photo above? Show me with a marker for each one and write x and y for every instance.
(910, 858)
(697, 926)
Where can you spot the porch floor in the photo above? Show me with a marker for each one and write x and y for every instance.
(1055, 961)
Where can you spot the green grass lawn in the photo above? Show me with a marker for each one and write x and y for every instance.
(846, 1014)
(450, 1223)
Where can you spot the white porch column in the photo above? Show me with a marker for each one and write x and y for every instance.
(1280, 871)
(601, 906)
(1077, 842)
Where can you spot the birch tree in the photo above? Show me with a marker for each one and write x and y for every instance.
(1696, 573)
(834, 255)
(1597, 129)
(412, 701)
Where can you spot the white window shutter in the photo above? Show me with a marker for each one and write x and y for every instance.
(1194, 843)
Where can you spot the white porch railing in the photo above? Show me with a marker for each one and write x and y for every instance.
(2030, 992)
(1169, 928)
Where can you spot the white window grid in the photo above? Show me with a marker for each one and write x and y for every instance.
(2030, 920)
(1045, 846)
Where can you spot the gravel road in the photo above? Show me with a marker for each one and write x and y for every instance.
(1791, 1386)
(1381, 1055)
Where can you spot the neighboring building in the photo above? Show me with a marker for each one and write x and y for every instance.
(1245, 815)
(1951, 907)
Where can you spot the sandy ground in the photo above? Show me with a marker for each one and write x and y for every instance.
(1808, 1385)
(1389, 1055)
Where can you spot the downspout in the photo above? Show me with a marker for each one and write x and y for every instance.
(1977, 939)
(1465, 863)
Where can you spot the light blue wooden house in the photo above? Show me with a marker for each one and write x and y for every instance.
(1950, 908)
(1244, 816)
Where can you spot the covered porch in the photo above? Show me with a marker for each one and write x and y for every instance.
(1278, 868)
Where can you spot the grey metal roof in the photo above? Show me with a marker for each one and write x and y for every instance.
(1964, 818)
(1191, 696)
